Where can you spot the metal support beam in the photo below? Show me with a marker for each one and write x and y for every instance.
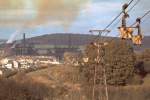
(100, 63)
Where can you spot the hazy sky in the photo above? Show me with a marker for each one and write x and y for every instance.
(37, 17)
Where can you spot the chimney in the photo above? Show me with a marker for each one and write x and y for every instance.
(24, 44)
(24, 40)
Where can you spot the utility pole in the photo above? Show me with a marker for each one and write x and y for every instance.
(99, 33)
(100, 62)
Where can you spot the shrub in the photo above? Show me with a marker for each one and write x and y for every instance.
(13, 90)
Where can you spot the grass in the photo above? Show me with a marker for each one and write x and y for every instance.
(63, 83)
(22, 90)
(67, 77)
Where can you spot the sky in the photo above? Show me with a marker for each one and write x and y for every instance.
(39, 17)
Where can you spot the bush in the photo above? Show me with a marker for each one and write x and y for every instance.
(135, 80)
(143, 63)
(13, 90)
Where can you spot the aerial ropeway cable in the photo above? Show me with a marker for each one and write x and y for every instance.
(134, 5)
(114, 26)
(127, 32)
(142, 17)
(136, 39)
(126, 5)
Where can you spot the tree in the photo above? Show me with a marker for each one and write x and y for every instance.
(119, 63)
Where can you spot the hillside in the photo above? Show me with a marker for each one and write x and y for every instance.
(62, 39)
(77, 40)
(2, 41)
(65, 83)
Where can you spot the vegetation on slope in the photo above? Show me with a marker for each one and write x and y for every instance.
(119, 61)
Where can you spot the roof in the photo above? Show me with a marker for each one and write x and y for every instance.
(46, 46)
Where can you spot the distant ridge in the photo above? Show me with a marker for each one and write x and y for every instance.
(77, 40)
(63, 39)
(2, 41)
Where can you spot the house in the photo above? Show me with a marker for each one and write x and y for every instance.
(1, 72)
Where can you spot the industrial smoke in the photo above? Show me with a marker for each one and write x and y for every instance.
(53, 12)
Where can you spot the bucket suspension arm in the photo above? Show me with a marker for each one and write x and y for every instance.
(138, 20)
(125, 15)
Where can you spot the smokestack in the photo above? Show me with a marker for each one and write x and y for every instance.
(69, 41)
(24, 43)
(24, 40)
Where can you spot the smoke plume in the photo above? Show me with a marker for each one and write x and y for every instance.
(40, 11)
(35, 12)
(14, 35)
